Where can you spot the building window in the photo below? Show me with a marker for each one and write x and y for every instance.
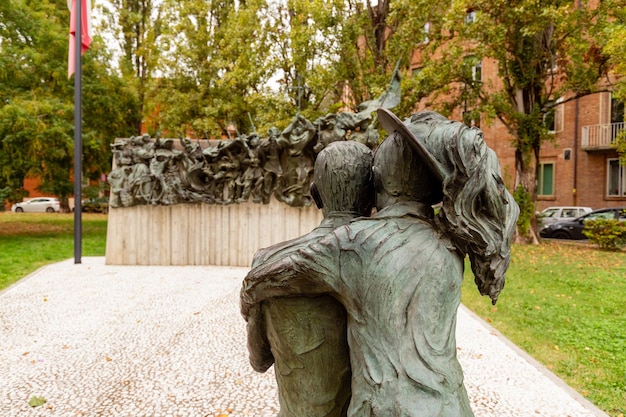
(545, 179)
(477, 71)
(553, 119)
(426, 31)
(472, 69)
(616, 179)
(549, 121)
(470, 16)
(617, 110)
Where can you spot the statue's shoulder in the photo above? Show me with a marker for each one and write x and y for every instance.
(265, 254)
(288, 247)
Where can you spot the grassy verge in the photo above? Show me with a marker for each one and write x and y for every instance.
(28, 241)
(564, 305)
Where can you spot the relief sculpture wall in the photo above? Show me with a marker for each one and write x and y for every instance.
(157, 171)
(192, 202)
(216, 202)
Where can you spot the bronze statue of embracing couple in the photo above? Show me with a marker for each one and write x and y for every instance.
(359, 315)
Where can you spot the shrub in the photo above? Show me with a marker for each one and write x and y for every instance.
(527, 210)
(607, 233)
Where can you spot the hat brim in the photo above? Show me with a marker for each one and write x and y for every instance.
(391, 124)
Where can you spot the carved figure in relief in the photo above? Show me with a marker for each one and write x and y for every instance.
(270, 152)
(293, 186)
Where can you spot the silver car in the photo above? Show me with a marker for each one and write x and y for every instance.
(555, 214)
(38, 205)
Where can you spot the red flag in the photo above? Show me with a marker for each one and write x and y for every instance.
(84, 32)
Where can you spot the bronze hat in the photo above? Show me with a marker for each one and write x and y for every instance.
(391, 123)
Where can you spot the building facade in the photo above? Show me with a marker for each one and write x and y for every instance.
(580, 166)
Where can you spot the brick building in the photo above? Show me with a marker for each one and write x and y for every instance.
(580, 167)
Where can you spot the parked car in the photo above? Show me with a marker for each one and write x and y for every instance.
(573, 228)
(554, 214)
(38, 205)
(95, 205)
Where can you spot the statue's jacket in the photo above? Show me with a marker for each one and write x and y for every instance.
(305, 338)
(400, 282)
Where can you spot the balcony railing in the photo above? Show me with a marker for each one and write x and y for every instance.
(600, 136)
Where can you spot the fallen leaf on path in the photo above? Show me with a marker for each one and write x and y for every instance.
(36, 401)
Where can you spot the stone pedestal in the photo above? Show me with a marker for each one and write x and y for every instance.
(202, 234)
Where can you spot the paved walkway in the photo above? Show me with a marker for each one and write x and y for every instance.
(98, 340)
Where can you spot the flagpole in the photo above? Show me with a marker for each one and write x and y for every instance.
(78, 138)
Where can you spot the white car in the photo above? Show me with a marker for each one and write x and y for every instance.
(38, 205)
(554, 214)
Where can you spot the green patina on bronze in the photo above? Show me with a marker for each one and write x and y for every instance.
(397, 273)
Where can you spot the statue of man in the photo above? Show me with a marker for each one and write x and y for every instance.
(293, 185)
(399, 273)
(270, 153)
(305, 337)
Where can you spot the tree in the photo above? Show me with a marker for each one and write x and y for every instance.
(36, 101)
(35, 119)
(111, 109)
(220, 56)
(305, 35)
(337, 49)
(545, 51)
(366, 57)
(615, 34)
(137, 25)
(214, 62)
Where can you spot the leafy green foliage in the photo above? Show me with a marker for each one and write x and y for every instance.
(214, 61)
(563, 304)
(36, 101)
(609, 234)
(615, 48)
(136, 24)
(35, 119)
(527, 209)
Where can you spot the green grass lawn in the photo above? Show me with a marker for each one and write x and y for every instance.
(563, 304)
(29, 240)
(566, 306)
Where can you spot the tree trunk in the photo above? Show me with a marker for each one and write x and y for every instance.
(526, 178)
(378, 16)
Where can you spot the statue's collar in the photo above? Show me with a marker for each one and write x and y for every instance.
(338, 218)
(406, 208)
